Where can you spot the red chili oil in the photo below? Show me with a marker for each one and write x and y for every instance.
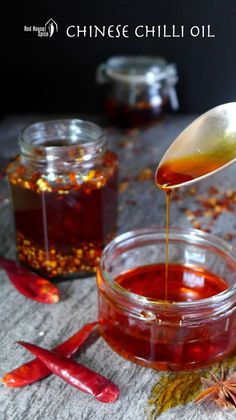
(64, 233)
(184, 283)
(65, 216)
(140, 89)
(139, 114)
(161, 340)
(177, 171)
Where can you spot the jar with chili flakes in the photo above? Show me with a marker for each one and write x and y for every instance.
(64, 193)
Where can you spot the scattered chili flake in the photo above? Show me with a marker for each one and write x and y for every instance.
(189, 214)
(230, 193)
(125, 143)
(228, 236)
(207, 213)
(145, 174)
(177, 197)
(213, 190)
(123, 186)
(209, 202)
(207, 230)
(196, 224)
(198, 213)
(191, 191)
(206, 208)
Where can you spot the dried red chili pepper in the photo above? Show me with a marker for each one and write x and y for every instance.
(35, 370)
(76, 374)
(30, 284)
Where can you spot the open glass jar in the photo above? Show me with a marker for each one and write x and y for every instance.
(168, 335)
(64, 193)
(140, 89)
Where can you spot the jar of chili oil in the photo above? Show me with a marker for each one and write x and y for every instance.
(140, 89)
(64, 193)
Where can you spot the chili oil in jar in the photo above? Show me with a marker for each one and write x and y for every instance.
(140, 89)
(196, 326)
(64, 194)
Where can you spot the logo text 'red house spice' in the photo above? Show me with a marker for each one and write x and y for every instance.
(48, 30)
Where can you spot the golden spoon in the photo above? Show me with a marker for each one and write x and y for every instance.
(205, 147)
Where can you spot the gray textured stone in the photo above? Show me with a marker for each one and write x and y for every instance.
(141, 205)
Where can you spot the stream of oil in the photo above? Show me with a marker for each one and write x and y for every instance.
(171, 175)
(168, 203)
(168, 176)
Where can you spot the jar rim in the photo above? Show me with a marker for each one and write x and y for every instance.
(138, 68)
(84, 139)
(200, 236)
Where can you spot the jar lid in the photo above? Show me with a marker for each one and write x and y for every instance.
(136, 69)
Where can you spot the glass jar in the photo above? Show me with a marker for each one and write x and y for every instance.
(140, 89)
(64, 192)
(168, 335)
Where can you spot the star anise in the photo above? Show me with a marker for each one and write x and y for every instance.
(221, 390)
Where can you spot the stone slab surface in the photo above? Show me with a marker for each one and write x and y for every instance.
(21, 319)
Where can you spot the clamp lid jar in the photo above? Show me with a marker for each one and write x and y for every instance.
(140, 88)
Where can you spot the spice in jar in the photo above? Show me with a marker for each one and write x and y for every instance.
(64, 193)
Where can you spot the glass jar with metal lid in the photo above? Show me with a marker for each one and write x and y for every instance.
(140, 89)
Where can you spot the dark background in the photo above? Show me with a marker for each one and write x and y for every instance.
(57, 75)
